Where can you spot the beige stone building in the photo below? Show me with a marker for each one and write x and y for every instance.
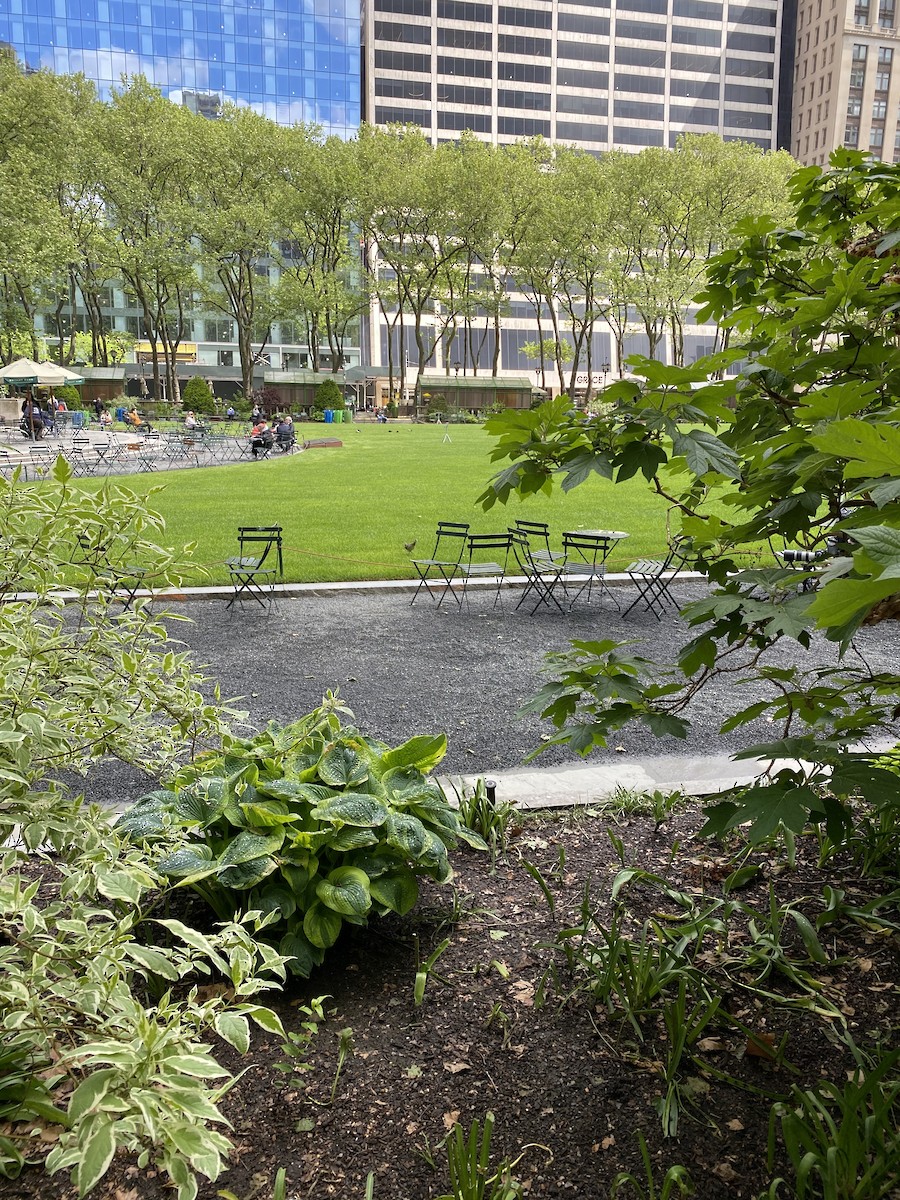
(846, 79)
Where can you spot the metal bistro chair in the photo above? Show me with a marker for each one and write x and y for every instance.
(585, 562)
(542, 572)
(652, 578)
(255, 575)
(497, 547)
(439, 570)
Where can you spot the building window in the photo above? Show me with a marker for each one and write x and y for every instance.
(751, 15)
(575, 131)
(885, 55)
(582, 23)
(586, 106)
(750, 68)
(647, 6)
(638, 110)
(527, 18)
(737, 118)
(876, 137)
(474, 68)
(858, 77)
(466, 39)
(637, 135)
(696, 35)
(402, 116)
(395, 31)
(861, 14)
(511, 43)
(633, 56)
(397, 60)
(403, 89)
(879, 110)
(693, 116)
(640, 83)
(699, 10)
(409, 8)
(743, 93)
(460, 93)
(523, 127)
(697, 89)
(523, 72)
(567, 76)
(534, 100)
(854, 106)
(459, 10)
(860, 50)
(641, 31)
(582, 51)
(225, 358)
(218, 331)
(475, 122)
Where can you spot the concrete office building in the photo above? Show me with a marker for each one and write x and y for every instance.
(598, 74)
(846, 79)
(292, 60)
(602, 74)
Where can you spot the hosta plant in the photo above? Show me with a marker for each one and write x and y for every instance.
(312, 822)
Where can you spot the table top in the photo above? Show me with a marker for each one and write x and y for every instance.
(610, 534)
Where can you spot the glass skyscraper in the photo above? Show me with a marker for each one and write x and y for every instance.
(292, 60)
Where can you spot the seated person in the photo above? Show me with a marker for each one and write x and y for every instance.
(135, 421)
(32, 423)
(190, 421)
(105, 419)
(284, 434)
(261, 438)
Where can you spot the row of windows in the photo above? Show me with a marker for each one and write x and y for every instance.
(696, 64)
(460, 10)
(626, 110)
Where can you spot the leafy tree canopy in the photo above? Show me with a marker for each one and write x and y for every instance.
(801, 448)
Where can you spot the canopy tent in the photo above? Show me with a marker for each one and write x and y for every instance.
(25, 372)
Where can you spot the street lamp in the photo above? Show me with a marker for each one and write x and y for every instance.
(605, 369)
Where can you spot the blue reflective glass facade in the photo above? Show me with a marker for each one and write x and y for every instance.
(293, 60)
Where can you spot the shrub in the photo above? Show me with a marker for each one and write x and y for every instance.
(69, 394)
(327, 395)
(80, 1046)
(313, 823)
(197, 396)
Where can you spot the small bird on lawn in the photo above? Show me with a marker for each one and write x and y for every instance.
(409, 546)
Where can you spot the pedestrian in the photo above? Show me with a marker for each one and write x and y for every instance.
(98, 407)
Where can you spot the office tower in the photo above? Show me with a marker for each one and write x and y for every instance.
(290, 61)
(846, 83)
(601, 74)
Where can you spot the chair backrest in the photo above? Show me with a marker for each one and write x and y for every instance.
(494, 544)
(521, 547)
(447, 531)
(262, 540)
(535, 531)
(588, 546)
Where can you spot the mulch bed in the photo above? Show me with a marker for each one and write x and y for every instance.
(569, 1084)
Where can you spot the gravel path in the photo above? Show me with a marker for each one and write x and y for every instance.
(408, 670)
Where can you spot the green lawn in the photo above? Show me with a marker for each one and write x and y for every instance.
(348, 512)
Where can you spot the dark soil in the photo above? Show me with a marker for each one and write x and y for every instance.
(500, 1030)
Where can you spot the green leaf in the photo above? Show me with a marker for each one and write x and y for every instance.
(199, 1066)
(352, 808)
(407, 834)
(97, 1150)
(423, 753)
(871, 450)
(303, 955)
(345, 890)
(154, 961)
(322, 925)
(248, 846)
(198, 808)
(395, 890)
(190, 862)
(704, 452)
(341, 766)
(245, 875)
(90, 1092)
(269, 814)
(351, 838)
(234, 1029)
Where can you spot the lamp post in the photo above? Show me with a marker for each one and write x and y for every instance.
(605, 369)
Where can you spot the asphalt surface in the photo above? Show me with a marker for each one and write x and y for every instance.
(409, 670)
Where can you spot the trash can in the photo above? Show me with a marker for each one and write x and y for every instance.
(329, 416)
(338, 416)
(120, 414)
(77, 420)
